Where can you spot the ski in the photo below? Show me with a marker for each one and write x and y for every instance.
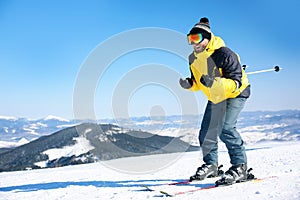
(191, 188)
(185, 184)
(170, 194)
(160, 186)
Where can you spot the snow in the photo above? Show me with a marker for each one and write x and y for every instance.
(37, 125)
(121, 178)
(52, 117)
(254, 134)
(114, 130)
(66, 125)
(8, 118)
(31, 131)
(263, 127)
(81, 146)
(5, 144)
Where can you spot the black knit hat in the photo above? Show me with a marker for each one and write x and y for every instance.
(202, 27)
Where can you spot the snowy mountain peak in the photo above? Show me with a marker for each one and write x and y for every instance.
(52, 117)
(8, 118)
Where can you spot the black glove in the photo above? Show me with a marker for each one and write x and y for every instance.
(186, 83)
(207, 80)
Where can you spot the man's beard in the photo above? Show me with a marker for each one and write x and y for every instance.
(199, 49)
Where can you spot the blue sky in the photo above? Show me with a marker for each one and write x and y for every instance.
(44, 44)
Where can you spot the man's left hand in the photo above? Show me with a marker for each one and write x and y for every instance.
(207, 80)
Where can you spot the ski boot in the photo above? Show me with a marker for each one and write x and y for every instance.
(207, 171)
(235, 174)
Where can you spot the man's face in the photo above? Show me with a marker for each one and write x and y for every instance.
(199, 47)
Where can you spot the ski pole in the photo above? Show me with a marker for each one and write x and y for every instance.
(276, 69)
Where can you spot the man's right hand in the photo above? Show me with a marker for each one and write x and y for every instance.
(186, 83)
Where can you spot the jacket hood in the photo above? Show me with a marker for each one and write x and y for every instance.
(214, 44)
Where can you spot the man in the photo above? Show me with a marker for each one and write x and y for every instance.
(217, 72)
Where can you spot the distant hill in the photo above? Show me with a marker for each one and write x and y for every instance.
(270, 125)
(86, 143)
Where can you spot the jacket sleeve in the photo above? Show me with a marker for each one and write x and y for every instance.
(232, 68)
(192, 58)
(228, 61)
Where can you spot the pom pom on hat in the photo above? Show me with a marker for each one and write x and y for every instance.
(204, 20)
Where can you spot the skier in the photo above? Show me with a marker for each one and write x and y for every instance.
(217, 72)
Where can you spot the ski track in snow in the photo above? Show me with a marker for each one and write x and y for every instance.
(121, 178)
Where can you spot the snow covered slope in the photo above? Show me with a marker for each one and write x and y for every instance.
(121, 178)
(87, 143)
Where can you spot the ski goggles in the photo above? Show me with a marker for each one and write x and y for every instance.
(195, 38)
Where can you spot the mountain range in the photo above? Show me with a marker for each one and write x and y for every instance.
(54, 141)
(284, 124)
(87, 143)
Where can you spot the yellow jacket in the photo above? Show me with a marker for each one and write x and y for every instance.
(222, 88)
